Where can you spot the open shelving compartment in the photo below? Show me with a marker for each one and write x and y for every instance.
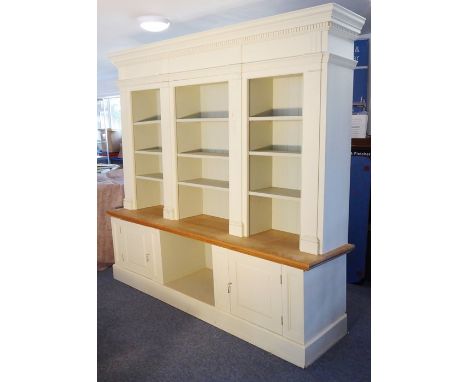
(146, 117)
(203, 149)
(275, 146)
(187, 266)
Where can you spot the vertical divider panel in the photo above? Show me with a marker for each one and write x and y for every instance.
(245, 156)
(235, 157)
(310, 162)
(169, 152)
(128, 149)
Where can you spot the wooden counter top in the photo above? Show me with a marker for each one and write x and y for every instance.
(277, 246)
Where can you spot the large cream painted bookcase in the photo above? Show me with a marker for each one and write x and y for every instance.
(236, 146)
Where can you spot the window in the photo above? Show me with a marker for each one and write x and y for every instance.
(108, 129)
(108, 113)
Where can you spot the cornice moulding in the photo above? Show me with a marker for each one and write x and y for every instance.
(338, 60)
(328, 17)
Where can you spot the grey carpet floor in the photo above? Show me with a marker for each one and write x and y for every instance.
(141, 339)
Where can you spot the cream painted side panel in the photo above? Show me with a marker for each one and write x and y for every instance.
(334, 162)
(293, 303)
(324, 296)
(310, 162)
(256, 290)
(340, 46)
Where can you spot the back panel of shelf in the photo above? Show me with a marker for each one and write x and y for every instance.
(275, 135)
(202, 101)
(146, 136)
(187, 266)
(278, 214)
(146, 118)
(146, 105)
(149, 193)
(203, 201)
(279, 96)
(270, 171)
(202, 135)
(275, 146)
(201, 197)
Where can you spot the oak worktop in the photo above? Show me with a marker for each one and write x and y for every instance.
(277, 246)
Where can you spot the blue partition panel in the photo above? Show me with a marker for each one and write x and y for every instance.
(359, 201)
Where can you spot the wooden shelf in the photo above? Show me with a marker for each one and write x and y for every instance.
(158, 177)
(276, 118)
(278, 150)
(277, 193)
(277, 246)
(206, 183)
(147, 122)
(190, 120)
(214, 116)
(278, 115)
(198, 285)
(150, 151)
(205, 153)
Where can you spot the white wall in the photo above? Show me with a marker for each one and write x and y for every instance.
(107, 88)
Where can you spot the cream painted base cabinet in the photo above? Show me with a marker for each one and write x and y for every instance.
(296, 304)
(293, 314)
(248, 287)
(137, 248)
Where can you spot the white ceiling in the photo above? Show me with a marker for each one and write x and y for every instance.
(118, 28)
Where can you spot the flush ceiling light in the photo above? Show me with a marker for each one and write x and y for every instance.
(154, 23)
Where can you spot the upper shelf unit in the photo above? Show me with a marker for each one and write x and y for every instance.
(275, 147)
(202, 118)
(146, 117)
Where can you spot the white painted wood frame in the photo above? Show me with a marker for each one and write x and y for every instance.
(299, 183)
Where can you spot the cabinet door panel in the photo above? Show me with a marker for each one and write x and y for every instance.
(137, 249)
(256, 291)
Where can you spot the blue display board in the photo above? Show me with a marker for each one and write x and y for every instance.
(361, 52)
(359, 202)
(361, 75)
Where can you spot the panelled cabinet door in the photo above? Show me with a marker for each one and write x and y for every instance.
(256, 290)
(137, 249)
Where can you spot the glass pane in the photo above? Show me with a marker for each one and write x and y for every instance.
(114, 111)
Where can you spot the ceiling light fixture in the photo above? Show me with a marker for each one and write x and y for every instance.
(154, 23)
